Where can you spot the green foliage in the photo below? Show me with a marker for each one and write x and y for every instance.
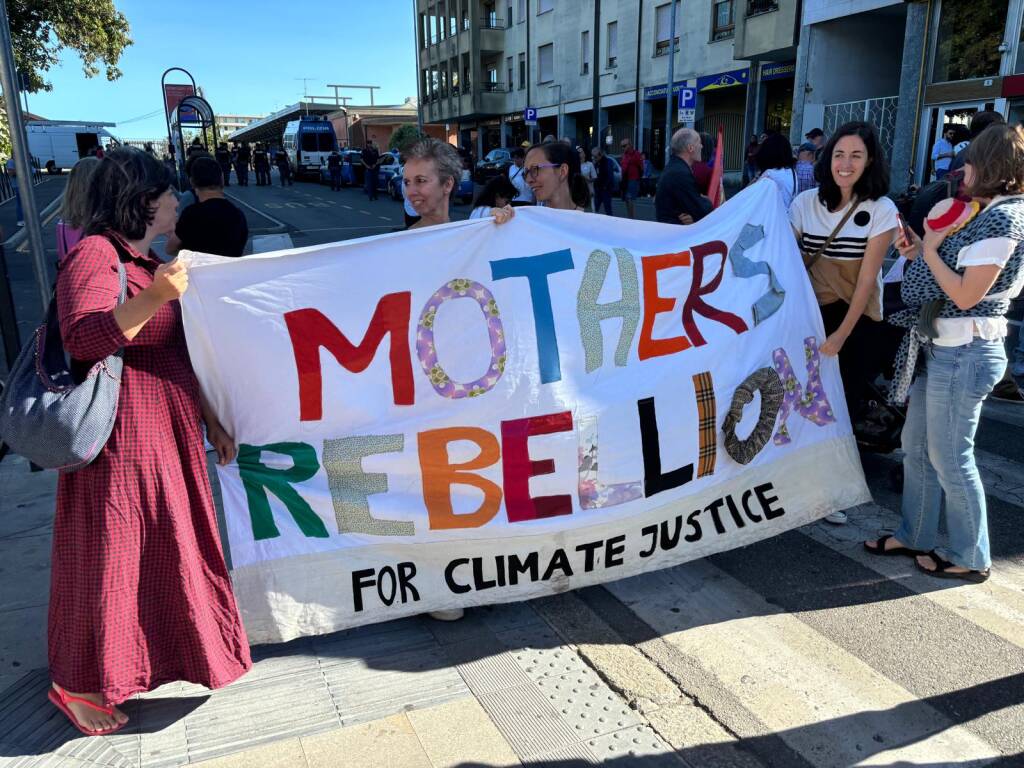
(42, 29)
(404, 136)
(969, 35)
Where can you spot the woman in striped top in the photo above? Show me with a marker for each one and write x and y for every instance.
(852, 171)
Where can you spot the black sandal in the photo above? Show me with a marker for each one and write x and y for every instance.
(879, 549)
(942, 570)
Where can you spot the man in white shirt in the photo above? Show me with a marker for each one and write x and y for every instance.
(942, 153)
(517, 175)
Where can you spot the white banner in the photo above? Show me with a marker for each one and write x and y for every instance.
(475, 413)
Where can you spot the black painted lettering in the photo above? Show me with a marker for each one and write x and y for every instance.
(766, 501)
(713, 508)
(559, 562)
(406, 572)
(361, 580)
(449, 576)
(588, 550)
(518, 567)
(613, 549)
(694, 523)
(654, 480)
(652, 531)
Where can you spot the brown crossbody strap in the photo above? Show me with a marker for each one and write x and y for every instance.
(810, 262)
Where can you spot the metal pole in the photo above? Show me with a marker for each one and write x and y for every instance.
(22, 164)
(417, 48)
(597, 77)
(671, 80)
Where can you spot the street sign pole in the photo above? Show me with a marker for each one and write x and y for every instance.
(22, 163)
(671, 80)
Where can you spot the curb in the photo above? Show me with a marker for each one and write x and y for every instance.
(21, 235)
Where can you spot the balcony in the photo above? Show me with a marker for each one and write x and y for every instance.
(767, 31)
(492, 22)
(755, 7)
(493, 87)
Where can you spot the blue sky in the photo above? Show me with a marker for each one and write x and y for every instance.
(246, 60)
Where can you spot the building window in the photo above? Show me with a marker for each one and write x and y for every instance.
(509, 13)
(663, 29)
(453, 19)
(546, 63)
(543, 6)
(585, 52)
(522, 71)
(432, 26)
(465, 16)
(508, 67)
(755, 7)
(491, 82)
(424, 31)
(612, 44)
(453, 67)
(442, 21)
(522, 11)
(968, 40)
(721, 21)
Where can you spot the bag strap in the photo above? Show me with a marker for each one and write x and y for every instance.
(810, 262)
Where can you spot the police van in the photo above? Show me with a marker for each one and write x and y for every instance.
(309, 142)
(59, 144)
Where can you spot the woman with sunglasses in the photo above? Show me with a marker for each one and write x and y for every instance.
(553, 173)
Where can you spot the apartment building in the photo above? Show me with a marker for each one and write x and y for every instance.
(483, 62)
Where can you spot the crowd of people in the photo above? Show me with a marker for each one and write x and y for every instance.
(140, 594)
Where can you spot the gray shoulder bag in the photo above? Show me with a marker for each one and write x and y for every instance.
(44, 415)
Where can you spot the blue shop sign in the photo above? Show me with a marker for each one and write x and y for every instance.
(723, 80)
(658, 91)
(778, 71)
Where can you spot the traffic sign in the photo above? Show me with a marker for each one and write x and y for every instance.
(687, 98)
(530, 116)
(687, 116)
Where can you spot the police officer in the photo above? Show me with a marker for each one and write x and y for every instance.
(242, 159)
(284, 167)
(334, 169)
(223, 158)
(261, 164)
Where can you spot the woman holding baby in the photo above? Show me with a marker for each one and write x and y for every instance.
(958, 287)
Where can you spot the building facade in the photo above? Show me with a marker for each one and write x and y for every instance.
(596, 71)
(910, 67)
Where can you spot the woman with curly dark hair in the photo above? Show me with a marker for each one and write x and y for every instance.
(139, 592)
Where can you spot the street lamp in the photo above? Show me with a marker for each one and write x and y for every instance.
(559, 87)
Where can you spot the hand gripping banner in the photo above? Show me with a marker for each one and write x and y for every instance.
(476, 413)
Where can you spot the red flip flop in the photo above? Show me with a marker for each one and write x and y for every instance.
(61, 698)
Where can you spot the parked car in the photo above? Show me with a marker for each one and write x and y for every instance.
(390, 166)
(496, 161)
(464, 192)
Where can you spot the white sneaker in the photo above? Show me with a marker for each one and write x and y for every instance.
(837, 518)
(452, 614)
(21, 223)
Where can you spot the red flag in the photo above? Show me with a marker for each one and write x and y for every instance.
(715, 186)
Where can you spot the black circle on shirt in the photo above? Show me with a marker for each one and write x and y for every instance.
(861, 218)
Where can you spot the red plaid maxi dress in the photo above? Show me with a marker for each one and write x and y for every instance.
(139, 592)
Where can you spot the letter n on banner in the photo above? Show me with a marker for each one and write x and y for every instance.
(310, 329)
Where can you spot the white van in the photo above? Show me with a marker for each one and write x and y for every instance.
(59, 144)
(309, 142)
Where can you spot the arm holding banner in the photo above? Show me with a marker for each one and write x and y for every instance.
(870, 267)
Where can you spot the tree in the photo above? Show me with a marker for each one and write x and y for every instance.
(42, 29)
(404, 136)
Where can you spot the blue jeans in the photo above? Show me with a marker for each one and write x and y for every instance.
(938, 442)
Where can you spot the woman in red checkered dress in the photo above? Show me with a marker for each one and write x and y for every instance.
(139, 593)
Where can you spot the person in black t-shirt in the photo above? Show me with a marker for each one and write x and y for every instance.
(212, 224)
